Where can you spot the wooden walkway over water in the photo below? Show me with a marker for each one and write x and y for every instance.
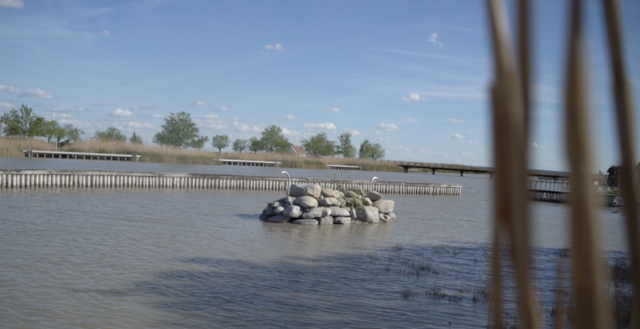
(80, 155)
(48, 179)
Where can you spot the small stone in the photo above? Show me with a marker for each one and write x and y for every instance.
(325, 220)
(292, 212)
(317, 213)
(385, 206)
(328, 193)
(357, 190)
(339, 212)
(350, 194)
(305, 222)
(306, 202)
(368, 214)
(312, 190)
(275, 204)
(277, 219)
(374, 196)
(288, 201)
(342, 202)
(328, 202)
(386, 217)
(366, 202)
(264, 217)
(342, 220)
(278, 211)
(392, 215)
(339, 195)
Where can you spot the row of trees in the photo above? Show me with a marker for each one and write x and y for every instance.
(180, 131)
(24, 123)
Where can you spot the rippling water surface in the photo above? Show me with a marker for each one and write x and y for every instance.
(114, 258)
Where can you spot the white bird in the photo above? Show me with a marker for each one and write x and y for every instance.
(371, 183)
(288, 181)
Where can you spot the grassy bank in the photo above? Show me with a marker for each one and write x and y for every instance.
(12, 147)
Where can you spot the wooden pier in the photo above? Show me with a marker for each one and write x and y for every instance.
(343, 167)
(53, 179)
(80, 155)
(251, 163)
(558, 192)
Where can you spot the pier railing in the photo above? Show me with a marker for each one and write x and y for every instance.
(19, 179)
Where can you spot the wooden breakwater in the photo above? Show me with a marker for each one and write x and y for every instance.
(17, 179)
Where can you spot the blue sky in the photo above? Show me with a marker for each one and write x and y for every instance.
(410, 75)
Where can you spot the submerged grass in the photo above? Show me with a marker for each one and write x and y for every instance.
(12, 147)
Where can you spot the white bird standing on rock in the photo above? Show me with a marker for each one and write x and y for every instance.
(288, 181)
(371, 183)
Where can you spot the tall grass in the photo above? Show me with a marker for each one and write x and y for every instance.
(12, 147)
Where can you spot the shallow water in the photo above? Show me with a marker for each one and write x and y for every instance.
(202, 259)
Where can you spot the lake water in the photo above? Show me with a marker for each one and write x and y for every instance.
(119, 258)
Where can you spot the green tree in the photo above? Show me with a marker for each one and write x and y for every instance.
(49, 129)
(371, 151)
(240, 145)
(135, 139)
(73, 133)
(22, 123)
(200, 142)
(178, 131)
(220, 142)
(346, 148)
(319, 145)
(59, 134)
(273, 140)
(255, 145)
(110, 134)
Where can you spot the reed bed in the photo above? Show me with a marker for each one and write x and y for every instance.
(12, 147)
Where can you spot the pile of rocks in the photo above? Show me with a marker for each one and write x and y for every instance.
(313, 205)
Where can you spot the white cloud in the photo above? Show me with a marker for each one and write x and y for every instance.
(288, 132)
(290, 117)
(277, 46)
(387, 127)
(319, 126)
(61, 116)
(245, 128)
(37, 92)
(335, 109)
(159, 116)
(434, 39)
(414, 97)
(216, 125)
(65, 108)
(454, 121)
(472, 142)
(427, 152)
(138, 125)
(454, 137)
(104, 104)
(535, 145)
(5, 105)
(222, 109)
(197, 104)
(121, 113)
(208, 116)
(12, 3)
(143, 107)
(353, 132)
(106, 32)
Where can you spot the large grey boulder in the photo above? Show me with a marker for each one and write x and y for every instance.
(350, 194)
(366, 202)
(306, 202)
(292, 212)
(329, 202)
(368, 214)
(339, 212)
(277, 219)
(325, 220)
(328, 193)
(385, 206)
(268, 211)
(317, 213)
(305, 222)
(342, 220)
(374, 196)
(312, 190)
(339, 195)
